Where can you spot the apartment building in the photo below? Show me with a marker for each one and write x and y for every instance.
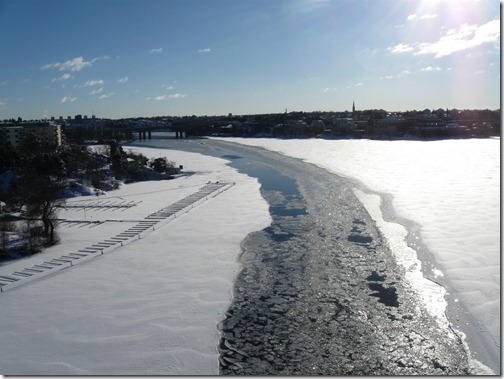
(13, 134)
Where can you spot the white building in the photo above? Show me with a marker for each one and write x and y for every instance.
(13, 135)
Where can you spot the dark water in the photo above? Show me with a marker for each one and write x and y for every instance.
(320, 292)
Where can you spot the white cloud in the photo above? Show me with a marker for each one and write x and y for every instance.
(63, 77)
(430, 69)
(92, 83)
(105, 96)
(67, 99)
(157, 51)
(204, 50)
(96, 91)
(72, 65)
(425, 16)
(480, 72)
(123, 80)
(400, 48)
(466, 37)
(167, 86)
(359, 84)
(177, 96)
(428, 16)
(173, 96)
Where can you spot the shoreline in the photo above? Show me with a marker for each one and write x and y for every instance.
(422, 275)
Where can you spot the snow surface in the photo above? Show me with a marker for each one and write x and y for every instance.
(151, 307)
(451, 188)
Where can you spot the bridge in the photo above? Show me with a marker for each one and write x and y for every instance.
(180, 130)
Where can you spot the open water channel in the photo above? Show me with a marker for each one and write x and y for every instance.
(320, 292)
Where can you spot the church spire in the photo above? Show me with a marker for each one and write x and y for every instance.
(353, 107)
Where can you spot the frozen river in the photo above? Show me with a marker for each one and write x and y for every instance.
(320, 291)
(443, 198)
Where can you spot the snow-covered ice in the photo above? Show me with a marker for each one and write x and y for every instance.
(153, 306)
(450, 188)
(150, 307)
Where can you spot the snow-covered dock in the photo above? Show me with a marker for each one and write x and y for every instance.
(139, 230)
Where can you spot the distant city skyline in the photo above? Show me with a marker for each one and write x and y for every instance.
(134, 58)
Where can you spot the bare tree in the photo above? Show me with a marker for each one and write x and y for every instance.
(43, 203)
(39, 192)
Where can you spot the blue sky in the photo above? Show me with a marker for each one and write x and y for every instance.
(128, 58)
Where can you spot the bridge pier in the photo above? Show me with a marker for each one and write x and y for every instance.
(142, 134)
(149, 134)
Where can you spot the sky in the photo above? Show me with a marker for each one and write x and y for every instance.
(144, 58)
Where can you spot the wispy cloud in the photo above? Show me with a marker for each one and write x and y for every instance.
(431, 69)
(72, 65)
(123, 80)
(428, 16)
(425, 16)
(106, 96)
(92, 83)
(400, 48)
(466, 37)
(96, 91)
(177, 95)
(207, 50)
(167, 97)
(63, 77)
(157, 51)
(67, 99)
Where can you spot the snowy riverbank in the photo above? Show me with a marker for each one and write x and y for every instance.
(451, 189)
(149, 308)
